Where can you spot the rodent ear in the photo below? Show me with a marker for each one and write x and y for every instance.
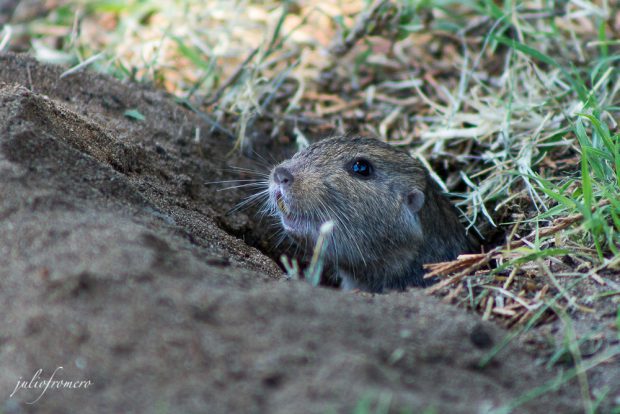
(415, 200)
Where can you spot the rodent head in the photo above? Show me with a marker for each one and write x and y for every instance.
(371, 191)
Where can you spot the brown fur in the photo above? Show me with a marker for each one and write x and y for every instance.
(379, 241)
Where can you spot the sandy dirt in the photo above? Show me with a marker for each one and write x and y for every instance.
(114, 265)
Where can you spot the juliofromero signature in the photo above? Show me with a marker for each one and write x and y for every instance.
(37, 382)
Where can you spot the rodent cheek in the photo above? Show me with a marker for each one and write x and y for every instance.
(354, 198)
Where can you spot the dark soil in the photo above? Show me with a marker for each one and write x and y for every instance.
(114, 265)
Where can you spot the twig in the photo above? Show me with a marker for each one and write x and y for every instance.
(342, 46)
(7, 8)
(214, 124)
(217, 95)
(465, 264)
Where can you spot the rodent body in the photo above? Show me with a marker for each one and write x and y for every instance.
(389, 217)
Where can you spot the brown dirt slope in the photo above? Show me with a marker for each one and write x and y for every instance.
(112, 266)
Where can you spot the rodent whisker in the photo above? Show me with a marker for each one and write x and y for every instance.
(235, 181)
(281, 235)
(259, 159)
(267, 210)
(264, 211)
(248, 170)
(346, 227)
(256, 185)
(248, 201)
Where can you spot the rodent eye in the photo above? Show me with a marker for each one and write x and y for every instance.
(361, 167)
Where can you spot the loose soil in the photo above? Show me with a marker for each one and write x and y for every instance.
(115, 266)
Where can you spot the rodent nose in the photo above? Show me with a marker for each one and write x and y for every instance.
(283, 177)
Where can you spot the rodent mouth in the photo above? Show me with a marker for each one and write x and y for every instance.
(281, 206)
(292, 223)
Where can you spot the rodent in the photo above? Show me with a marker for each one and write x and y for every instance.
(389, 216)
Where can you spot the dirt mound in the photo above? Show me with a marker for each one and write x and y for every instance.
(114, 268)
